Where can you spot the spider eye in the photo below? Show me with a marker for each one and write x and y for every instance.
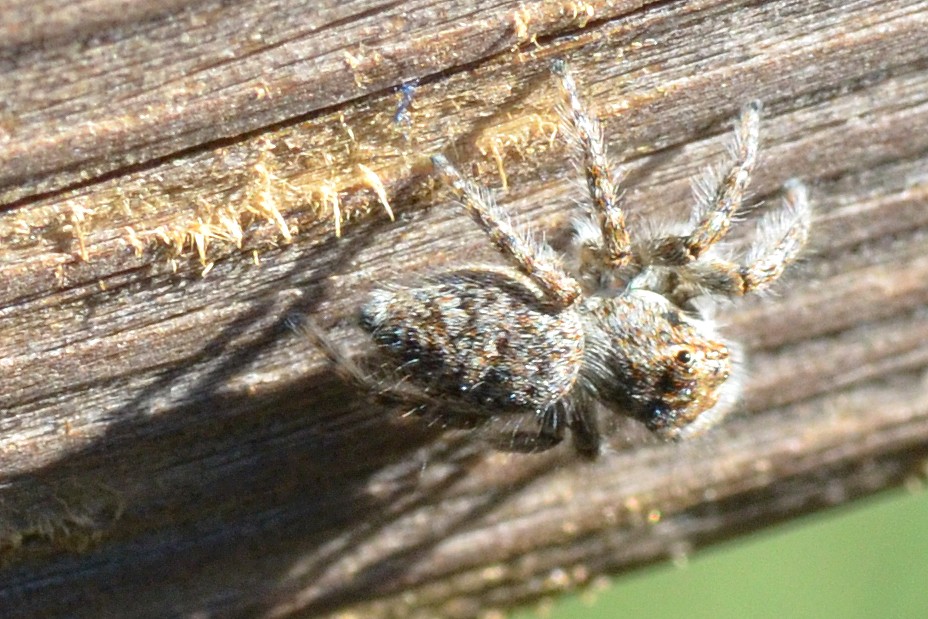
(684, 357)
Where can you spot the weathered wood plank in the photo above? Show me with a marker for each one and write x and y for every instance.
(169, 445)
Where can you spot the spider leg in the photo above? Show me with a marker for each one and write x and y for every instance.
(536, 260)
(718, 200)
(552, 424)
(584, 428)
(779, 238)
(601, 178)
(546, 433)
(353, 374)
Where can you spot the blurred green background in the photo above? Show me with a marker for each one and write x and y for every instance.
(866, 560)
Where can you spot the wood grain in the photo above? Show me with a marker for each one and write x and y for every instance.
(170, 446)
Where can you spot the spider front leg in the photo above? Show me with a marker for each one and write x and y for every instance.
(718, 200)
(537, 260)
(612, 241)
(779, 238)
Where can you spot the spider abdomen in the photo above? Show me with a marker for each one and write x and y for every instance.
(482, 336)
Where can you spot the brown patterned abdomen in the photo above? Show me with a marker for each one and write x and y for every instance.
(484, 337)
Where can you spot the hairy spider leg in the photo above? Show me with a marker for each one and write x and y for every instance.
(719, 198)
(779, 238)
(601, 177)
(535, 259)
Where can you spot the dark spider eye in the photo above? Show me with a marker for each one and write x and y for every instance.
(684, 357)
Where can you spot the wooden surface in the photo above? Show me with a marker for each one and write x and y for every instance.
(169, 446)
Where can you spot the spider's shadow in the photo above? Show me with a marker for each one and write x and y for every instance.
(295, 465)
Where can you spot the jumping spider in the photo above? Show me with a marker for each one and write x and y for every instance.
(619, 326)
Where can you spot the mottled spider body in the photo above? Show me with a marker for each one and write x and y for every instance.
(490, 342)
(619, 327)
(482, 337)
